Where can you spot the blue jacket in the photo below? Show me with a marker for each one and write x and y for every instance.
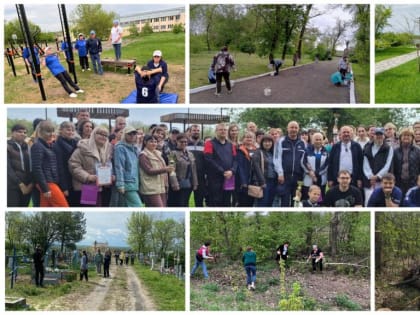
(26, 54)
(126, 166)
(54, 64)
(146, 90)
(44, 164)
(81, 47)
(157, 76)
(65, 48)
(412, 198)
(287, 157)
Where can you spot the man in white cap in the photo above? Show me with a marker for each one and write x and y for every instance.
(116, 38)
(158, 71)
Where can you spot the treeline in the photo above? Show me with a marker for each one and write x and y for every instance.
(26, 230)
(147, 234)
(278, 29)
(338, 234)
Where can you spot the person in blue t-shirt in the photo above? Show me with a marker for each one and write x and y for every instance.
(65, 49)
(53, 64)
(388, 195)
(146, 87)
(82, 51)
(27, 57)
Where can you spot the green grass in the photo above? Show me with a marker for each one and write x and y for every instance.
(391, 52)
(362, 82)
(398, 85)
(247, 65)
(166, 290)
(141, 48)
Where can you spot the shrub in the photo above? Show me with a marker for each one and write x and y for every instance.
(343, 300)
(178, 28)
(293, 302)
(211, 287)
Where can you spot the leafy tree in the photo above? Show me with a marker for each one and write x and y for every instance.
(15, 230)
(361, 19)
(71, 227)
(178, 28)
(134, 31)
(87, 17)
(382, 15)
(146, 29)
(164, 236)
(13, 27)
(139, 231)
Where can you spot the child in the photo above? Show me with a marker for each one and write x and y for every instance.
(82, 51)
(53, 64)
(277, 63)
(314, 193)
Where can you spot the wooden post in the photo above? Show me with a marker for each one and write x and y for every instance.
(378, 251)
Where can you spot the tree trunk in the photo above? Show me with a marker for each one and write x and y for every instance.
(335, 221)
(378, 251)
(303, 30)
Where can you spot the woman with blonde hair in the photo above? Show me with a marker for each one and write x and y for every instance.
(91, 155)
(44, 167)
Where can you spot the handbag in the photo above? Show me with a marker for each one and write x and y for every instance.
(185, 183)
(89, 195)
(254, 190)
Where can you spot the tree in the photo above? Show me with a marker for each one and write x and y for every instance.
(71, 227)
(134, 31)
(361, 19)
(41, 229)
(87, 17)
(15, 230)
(163, 236)
(382, 15)
(147, 29)
(178, 28)
(139, 231)
(13, 27)
(202, 17)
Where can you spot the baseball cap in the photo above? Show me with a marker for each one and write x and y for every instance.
(379, 130)
(116, 22)
(129, 129)
(47, 48)
(175, 130)
(157, 53)
(92, 32)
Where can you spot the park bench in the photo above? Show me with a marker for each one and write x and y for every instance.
(122, 63)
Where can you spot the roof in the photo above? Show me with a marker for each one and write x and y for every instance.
(99, 113)
(205, 119)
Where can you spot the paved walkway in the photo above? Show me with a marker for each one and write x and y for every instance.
(390, 63)
(304, 84)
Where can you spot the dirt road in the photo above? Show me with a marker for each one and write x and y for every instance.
(123, 291)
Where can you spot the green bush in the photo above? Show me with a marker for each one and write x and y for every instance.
(213, 287)
(293, 302)
(178, 28)
(343, 300)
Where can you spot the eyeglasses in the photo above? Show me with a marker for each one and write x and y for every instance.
(156, 56)
(102, 134)
(132, 134)
(346, 178)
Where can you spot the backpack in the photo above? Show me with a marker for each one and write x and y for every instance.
(222, 61)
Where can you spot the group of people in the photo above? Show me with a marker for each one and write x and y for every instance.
(88, 165)
(149, 79)
(249, 260)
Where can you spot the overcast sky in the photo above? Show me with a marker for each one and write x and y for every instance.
(46, 16)
(401, 13)
(111, 227)
(147, 116)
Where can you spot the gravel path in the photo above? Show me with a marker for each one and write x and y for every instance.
(305, 84)
(394, 62)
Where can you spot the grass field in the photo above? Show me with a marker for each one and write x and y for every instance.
(166, 290)
(362, 82)
(398, 85)
(391, 52)
(110, 88)
(247, 65)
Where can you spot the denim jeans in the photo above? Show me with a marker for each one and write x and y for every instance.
(117, 51)
(203, 266)
(96, 63)
(251, 274)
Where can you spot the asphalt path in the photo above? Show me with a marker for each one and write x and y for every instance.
(306, 84)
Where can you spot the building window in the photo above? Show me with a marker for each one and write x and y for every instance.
(156, 19)
(163, 19)
(163, 27)
(171, 18)
(177, 17)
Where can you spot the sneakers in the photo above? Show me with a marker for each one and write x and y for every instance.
(88, 69)
(229, 91)
(249, 287)
(252, 286)
(80, 91)
(73, 95)
(217, 94)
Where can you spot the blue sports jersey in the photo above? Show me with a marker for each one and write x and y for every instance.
(54, 64)
(146, 90)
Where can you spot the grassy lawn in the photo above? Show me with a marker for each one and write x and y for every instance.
(39, 298)
(391, 52)
(398, 85)
(247, 65)
(362, 82)
(166, 290)
(110, 88)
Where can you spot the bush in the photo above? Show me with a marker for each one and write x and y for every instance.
(343, 300)
(294, 302)
(178, 28)
(147, 29)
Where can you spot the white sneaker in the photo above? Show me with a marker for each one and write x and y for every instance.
(73, 95)
(217, 94)
(88, 69)
(83, 70)
(80, 91)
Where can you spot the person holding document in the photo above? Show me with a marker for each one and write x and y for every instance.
(91, 168)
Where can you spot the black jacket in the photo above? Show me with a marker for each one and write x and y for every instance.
(44, 164)
(18, 169)
(413, 164)
(334, 162)
(63, 149)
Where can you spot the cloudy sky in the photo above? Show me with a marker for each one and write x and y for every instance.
(147, 116)
(111, 226)
(46, 16)
(400, 15)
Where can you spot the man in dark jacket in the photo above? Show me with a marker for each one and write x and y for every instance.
(94, 48)
(288, 152)
(346, 155)
(38, 258)
(19, 178)
(220, 165)
(282, 253)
